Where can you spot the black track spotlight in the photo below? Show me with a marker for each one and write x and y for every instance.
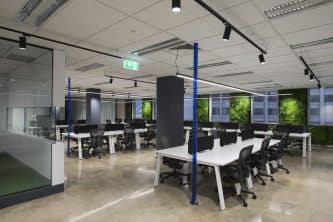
(311, 77)
(135, 84)
(319, 85)
(176, 6)
(262, 59)
(227, 32)
(111, 80)
(23, 42)
(306, 72)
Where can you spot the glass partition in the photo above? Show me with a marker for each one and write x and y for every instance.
(27, 118)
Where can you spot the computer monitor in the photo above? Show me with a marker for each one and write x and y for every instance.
(227, 138)
(203, 143)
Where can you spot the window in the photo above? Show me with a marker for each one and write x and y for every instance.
(320, 106)
(265, 108)
(220, 108)
(137, 109)
(188, 108)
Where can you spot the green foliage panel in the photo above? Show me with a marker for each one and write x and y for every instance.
(203, 109)
(322, 135)
(293, 108)
(240, 110)
(147, 110)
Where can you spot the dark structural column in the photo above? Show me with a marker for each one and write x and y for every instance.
(93, 106)
(170, 112)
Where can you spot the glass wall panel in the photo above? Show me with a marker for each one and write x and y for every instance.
(265, 109)
(321, 106)
(27, 118)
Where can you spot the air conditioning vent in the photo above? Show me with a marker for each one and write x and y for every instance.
(216, 64)
(186, 46)
(143, 76)
(235, 74)
(49, 11)
(20, 58)
(321, 63)
(312, 43)
(258, 82)
(90, 67)
(101, 83)
(293, 7)
(171, 43)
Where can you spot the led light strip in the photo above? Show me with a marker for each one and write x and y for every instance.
(219, 85)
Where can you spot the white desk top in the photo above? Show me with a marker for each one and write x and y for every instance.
(270, 133)
(87, 135)
(202, 128)
(218, 155)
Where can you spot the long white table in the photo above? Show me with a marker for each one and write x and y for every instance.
(110, 134)
(218, 156)
(189, 128)
(306, 137)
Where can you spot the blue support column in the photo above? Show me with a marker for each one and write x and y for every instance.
(69, 117)
(194, 125)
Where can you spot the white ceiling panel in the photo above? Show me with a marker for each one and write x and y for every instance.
(160, 16)
(123, 33)
(129, 7)
(82, 18)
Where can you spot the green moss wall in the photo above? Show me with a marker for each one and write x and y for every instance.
(147, 109)
(203, 109)
(293, 108)
(240, 109)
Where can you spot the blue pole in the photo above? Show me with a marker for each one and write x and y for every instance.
(69, 117)
(194, 125)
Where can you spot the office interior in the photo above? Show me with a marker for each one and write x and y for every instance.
(172, 110)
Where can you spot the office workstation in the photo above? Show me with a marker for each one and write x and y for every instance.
(166, 110)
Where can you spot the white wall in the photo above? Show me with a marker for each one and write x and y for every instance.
(121, 110)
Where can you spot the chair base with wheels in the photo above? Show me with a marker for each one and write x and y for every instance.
(240, 190)
(176, 175)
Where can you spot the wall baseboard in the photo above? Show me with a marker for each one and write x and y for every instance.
(30, 195)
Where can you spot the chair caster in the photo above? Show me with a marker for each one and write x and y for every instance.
(244, 204)
(288, 172)
(254, 197)
(272, 179)
(263, 183)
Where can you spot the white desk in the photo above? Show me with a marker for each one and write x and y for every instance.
(233, 130)
(189, 128)
(218, 156)
(110, 134)
(137, 136)
(306, 137)
(58, 128)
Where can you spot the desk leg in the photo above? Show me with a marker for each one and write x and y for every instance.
(137, 140)
(57, 133)
(111, 144)
(304, 147)
(309, 144)
(209, 133)
(219, 187)
(187, 136)
(249, 182)
(157, 171)
(268, 169)
(80, 148)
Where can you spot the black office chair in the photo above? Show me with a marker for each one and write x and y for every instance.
(176, 166)
(129, 138)
(276, 153)
(259, 161)
(96, 144)
(239, 171)
(149, 136)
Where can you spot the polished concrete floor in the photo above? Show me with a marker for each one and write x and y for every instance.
(119, 188)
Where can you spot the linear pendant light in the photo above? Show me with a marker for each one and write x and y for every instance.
(219, 85)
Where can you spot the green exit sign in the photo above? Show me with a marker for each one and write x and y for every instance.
(131, 65)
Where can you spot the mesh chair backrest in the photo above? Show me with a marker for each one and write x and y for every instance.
(264, 149)
(243, 166)
(96, 136)
(283, 144)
